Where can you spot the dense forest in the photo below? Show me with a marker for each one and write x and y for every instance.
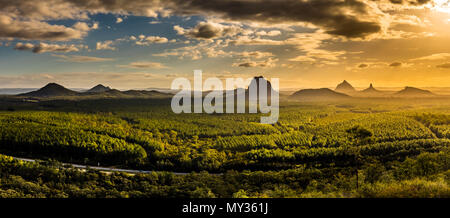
(346, 149)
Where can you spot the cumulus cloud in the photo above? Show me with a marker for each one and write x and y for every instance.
(155, 39)
(11, 27)
(44, 47)
(208, 30)
(147, 40)
(335, 16)
(82, 59)
(119, 20)
(349, 18)
(106, 45)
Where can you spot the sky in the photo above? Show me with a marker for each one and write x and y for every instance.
(138, 44)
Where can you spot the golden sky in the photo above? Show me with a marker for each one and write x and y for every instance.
(148, 43)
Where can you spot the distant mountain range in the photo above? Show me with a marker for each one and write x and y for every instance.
(56, 90)
(345, 90)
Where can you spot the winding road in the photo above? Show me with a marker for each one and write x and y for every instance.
(104, 169)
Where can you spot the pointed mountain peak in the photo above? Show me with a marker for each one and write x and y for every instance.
(345, 87)
(371, 89)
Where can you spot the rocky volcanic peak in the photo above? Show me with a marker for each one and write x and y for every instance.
(256, 81)
(370, 89)
(345, 87)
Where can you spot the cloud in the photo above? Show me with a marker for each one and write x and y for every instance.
(311, 44)
(156, 39)
(106, 45)
(363, 66)
(247, 40)
(336, 17)
(433, 57)
(144, 65)
(24, 46)
(270, 33)
(347, 18)
(11, 27)
(82, 59)
(208, 30)
(82, 26)
(302, 58)
(255, 54)
(147, 40)
(378, 65)
(445, 66)
(411, 2)
(204, 48)
(44, 47)
(395, 64)
(270, 62)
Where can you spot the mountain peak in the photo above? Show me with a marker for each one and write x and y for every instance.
(50, 90)
(370, 89)
(344, 87)
(257, 79)
(99, 88)
(52, 85)
(409, 91)
(322, 94)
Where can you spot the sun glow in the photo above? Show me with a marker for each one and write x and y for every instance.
(442, 6)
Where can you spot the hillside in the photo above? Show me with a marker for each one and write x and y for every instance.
(323, 94)
(51, 90)
(99, 91)
(371, 92)
(99, 88)
(411, 92)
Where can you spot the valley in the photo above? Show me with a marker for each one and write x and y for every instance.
(325, 144)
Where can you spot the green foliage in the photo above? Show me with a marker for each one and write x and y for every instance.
(315, 150)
